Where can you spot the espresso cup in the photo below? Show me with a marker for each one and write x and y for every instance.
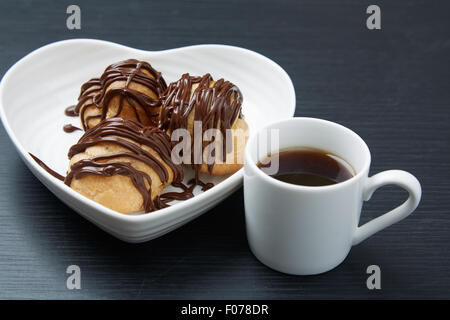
(306, 230)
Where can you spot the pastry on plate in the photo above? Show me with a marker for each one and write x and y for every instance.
(123, 165)
(198, 104)
(128, 89)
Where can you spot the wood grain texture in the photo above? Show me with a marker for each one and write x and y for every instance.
(391, 86)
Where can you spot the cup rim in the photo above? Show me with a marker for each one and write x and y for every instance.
(251, 163)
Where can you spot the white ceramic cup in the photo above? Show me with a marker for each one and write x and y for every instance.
(309, 230)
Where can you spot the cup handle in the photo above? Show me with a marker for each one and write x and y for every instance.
(400, 178)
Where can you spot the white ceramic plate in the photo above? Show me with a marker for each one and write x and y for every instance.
(36, 90)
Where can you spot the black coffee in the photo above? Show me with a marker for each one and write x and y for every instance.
(308, 167)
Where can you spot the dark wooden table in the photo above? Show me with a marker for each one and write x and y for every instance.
(389, 85)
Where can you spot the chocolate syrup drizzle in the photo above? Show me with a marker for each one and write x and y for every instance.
(46, 168)
(216, 107)
(130, 135)
(70, 128)
(95, 92)
(70, 111)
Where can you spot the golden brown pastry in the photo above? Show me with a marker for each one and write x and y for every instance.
(128, 89)
(215, 105)
(123, 165)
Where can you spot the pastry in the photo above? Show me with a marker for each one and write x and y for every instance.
(123, 165)
(128, 89)
(212, 105)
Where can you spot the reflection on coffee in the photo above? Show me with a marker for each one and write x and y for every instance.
(308, 167)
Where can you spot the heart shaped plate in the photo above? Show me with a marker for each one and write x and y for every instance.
(36, 90)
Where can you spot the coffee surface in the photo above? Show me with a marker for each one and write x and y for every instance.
(308, 167)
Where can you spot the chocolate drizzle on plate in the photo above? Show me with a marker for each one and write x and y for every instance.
(216, 106)
(46, 168)
(70, 111)
(96, 92)
(187, 193)
(70, 128)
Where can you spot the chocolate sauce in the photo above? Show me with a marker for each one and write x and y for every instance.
(187, 193)
(130, 135)
(46, 168)
(216, 107)
(70, 128)
(95, 92)
(70, 111)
